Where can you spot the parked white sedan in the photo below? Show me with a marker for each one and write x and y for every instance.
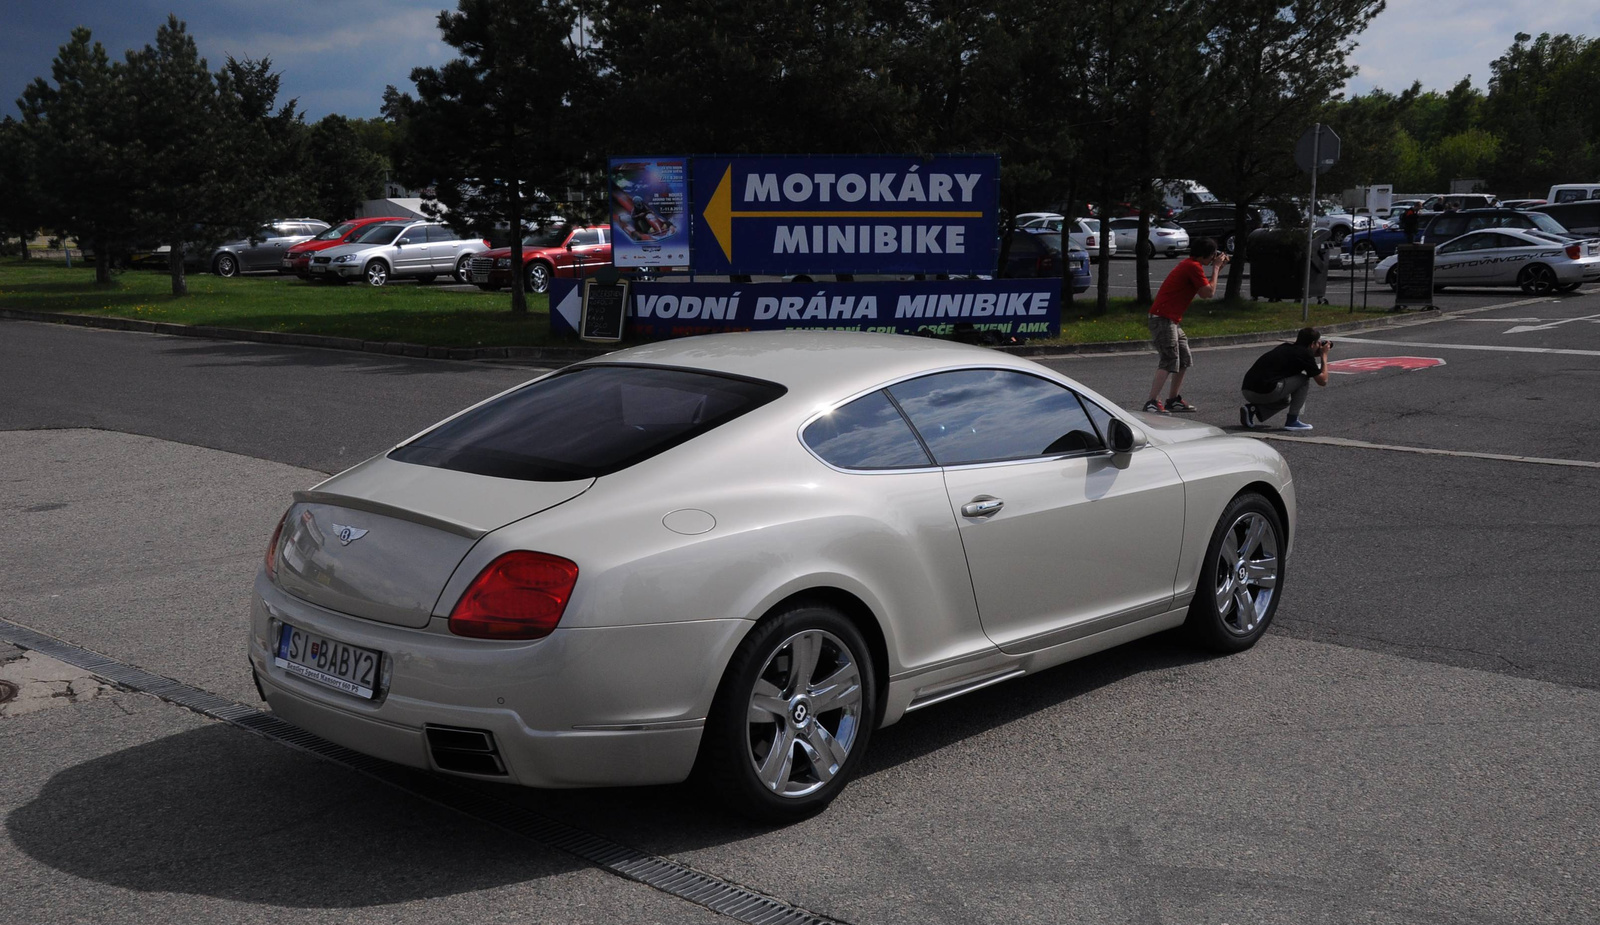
(1083, 233)
(744, 553)
(1166, 236)
(1537, 261)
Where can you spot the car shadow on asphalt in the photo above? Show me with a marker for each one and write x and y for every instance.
(218, 812)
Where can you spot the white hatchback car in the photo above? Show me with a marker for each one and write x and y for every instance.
(742, 554)
(1537, 261)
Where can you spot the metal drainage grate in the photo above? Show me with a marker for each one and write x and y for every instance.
(721, 896)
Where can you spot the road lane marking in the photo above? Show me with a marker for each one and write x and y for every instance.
(1492, 348)
(722, 896)
(1521, 328)
(1425, 450)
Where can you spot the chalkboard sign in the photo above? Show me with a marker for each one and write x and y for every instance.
(604, 307)
(1413, 271)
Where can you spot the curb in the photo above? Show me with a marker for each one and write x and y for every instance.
(421, 351)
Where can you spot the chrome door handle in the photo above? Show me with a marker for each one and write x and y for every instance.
(981, 507)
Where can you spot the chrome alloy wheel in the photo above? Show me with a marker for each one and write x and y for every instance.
(805, 713)
(1247, 573)
(377, 273)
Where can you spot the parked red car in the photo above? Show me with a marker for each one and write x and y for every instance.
(297, 259)
(563, 250)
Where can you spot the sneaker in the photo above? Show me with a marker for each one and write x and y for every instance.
(1247, 417)
(1153, 406)
(1176, 403)
(1296, 424)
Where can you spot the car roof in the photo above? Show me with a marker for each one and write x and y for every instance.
(818, 365)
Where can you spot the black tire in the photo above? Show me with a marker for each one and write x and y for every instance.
(1228, 243)
(1238, 560)
(225, 265)
(1362, 250)
(765, 659)
(1146, 248)
(1538, 279)
(538, 276)
(376, 273)
(462, 266)
(1392, 278)
(426, 278)
(1339, 233)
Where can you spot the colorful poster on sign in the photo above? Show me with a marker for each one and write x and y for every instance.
(878, 214)
(649, 218)
(1006, 307)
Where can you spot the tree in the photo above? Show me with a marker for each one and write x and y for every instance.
(1542, 104)
(22, 211)
(208, 149)
(340, 170)
(77, 134)
(1275, 64)
(498, 130)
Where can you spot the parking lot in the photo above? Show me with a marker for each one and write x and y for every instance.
(1416, 740)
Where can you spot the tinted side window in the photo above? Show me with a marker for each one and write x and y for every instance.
(868, 433)
(585, 237)
(983, 415)
(1444, 227)
(1569, 195)
(586, 422)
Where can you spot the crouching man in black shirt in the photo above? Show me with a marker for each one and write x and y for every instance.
(1281, 377)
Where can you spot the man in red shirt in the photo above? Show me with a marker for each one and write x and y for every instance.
(1188, 279)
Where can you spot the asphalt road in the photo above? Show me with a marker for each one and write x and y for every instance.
(1415, 741)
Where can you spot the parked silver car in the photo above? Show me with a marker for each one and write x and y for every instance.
(744, 553)
(394, 250)
(1166, 236)
(263, 249)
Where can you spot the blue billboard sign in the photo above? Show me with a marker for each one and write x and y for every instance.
(1016, 307)
(846, 214)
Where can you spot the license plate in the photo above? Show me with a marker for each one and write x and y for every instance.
(329, 662)
(319, 268)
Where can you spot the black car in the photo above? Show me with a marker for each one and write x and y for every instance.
(1580, 218)
(1447, 225)
(1215, 220)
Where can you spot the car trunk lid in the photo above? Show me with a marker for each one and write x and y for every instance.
(381, 540)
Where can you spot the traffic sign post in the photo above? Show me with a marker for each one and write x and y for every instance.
(1316, 152)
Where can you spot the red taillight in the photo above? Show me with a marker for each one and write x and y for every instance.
(1089, 241)
(1574, 251)
(520, 595)
(486, 244)
(272, 548)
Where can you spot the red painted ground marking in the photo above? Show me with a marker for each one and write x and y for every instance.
(1373, 364)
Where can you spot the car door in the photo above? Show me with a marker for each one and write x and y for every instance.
(1459, 262)
(584, 252)
(410, 255)
(260, 243)
(442, 247)
(1063, 539)
(1502, 258)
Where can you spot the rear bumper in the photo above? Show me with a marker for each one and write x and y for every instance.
(604, 706)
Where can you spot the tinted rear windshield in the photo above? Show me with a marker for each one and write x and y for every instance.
(590, 421)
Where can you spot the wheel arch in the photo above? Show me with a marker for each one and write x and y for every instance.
(1270, 492)
(857, 612)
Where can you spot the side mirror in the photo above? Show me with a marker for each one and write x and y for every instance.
(1125, 438)
(402, 242)
(569, 245)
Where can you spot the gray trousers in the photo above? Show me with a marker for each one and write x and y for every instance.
(1290, 393)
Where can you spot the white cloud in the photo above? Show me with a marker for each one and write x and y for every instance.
(1441, 41)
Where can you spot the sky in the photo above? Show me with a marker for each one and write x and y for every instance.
(337, 55)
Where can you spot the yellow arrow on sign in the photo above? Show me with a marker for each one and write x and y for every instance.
(719, 214)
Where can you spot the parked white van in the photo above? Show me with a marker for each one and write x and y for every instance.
(1573, 192)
